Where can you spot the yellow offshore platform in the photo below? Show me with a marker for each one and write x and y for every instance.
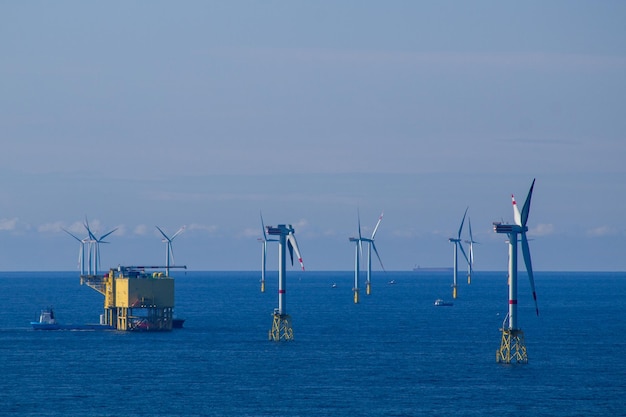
(135, 299)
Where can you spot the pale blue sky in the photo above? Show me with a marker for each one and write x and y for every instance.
(138, 114)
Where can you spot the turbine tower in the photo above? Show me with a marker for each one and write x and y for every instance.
(281, 325)
(470, 242)
(457, 244)
(264, 240)
(169, 252)
(370, 246)
(512, 346)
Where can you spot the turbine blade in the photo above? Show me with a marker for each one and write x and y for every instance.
(377, 255)
(358, 215)
(377, 224)
(182, 229)
(263, 227)
(80, 240)
(526, 208)
(290, 247)
(294, 246)
(463, 252)
(462, 221)
(529, 268)
(516, 215)
(106, 234)
(163, 233)
(86, 224)
(171, 250)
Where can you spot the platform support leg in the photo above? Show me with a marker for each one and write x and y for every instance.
(512, 347)
(281, 328)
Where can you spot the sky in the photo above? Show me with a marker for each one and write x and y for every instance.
(206, 114)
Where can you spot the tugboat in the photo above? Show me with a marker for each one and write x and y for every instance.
(440, 303)
(46, 321)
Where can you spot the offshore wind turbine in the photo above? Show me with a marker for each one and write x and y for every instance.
(457, 245)
(371, 245)
(512, 345)
(264, 240)
(169, 251)
(281, 324)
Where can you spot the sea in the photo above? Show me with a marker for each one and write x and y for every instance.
(393, 354)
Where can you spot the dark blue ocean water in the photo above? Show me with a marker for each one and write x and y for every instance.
(394, 354)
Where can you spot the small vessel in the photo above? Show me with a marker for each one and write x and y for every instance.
(441, 303)
(47, 321)
(393, 281)
(334, 285)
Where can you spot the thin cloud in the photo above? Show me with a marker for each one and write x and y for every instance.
(8, 224)
(542, 230)
(601, 231)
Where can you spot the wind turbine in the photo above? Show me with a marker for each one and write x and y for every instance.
(458, 244)
(264, 240)
(94, 245)
(81, 251)
(470, 242)
(512, 346)
(169, 252)
(370, 246)
(281, 325)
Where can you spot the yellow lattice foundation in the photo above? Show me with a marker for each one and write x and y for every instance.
(512, 347)
(281, 328)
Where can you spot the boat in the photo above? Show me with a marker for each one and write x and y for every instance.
(47, 321)
(334, 285)
(441, 303)
(393, 281)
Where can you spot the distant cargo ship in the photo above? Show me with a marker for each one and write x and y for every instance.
(432, 269)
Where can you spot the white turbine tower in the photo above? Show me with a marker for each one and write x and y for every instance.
(470, 242)
(457, 244)
(281, 325)
(264, 240)
(169, 251)
(371, 245)
(512, 346)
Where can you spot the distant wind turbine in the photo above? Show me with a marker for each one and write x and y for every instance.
(169, 251)
(458, 244)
